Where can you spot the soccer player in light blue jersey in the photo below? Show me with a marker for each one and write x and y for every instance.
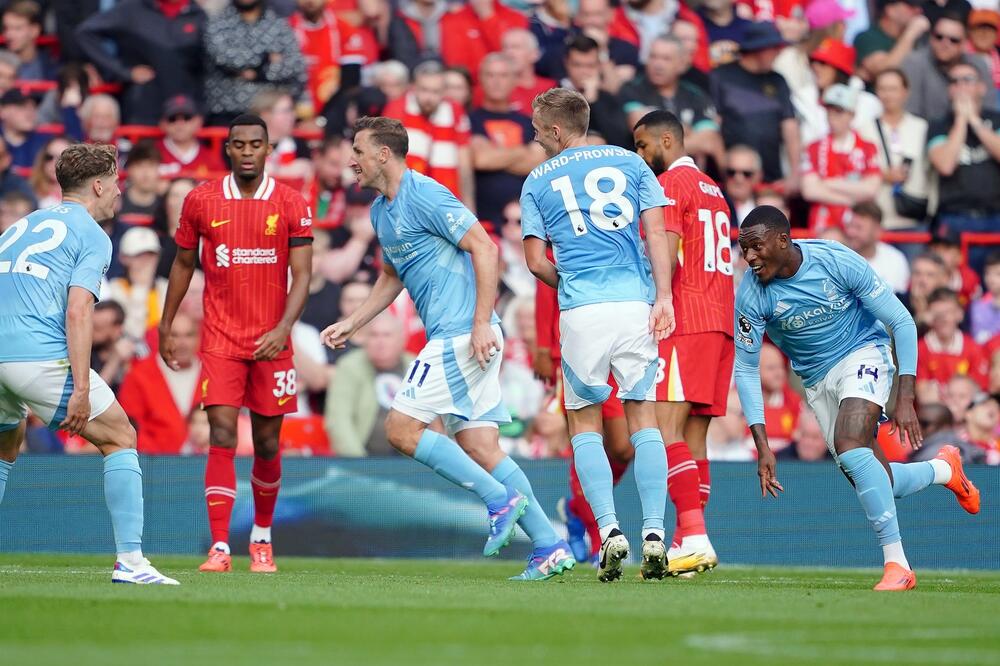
(614, 307)
(825, 308)
(51, 266)
(434, 247)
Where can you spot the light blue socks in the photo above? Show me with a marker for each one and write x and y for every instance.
(123, 494)
(449, 460)
(5, 468)
(871, 482)
(650, 469)
(911, 478)
(594, 471)
(534, 522)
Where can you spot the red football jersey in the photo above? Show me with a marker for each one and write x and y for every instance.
(825, 161)
(244, 253)
(939, 361)
(703, 277)
(198, 163)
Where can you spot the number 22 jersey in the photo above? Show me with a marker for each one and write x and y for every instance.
(587, 201)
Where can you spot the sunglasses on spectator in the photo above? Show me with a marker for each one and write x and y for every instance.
(957, 80)
(180, 116)
(746, 173)
(49, 157)
(941, 38)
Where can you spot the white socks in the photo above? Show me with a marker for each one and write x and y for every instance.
(221, 545)
(133, 558)
(942, 471)
(260, 534)
(606, 530)
(893, 552)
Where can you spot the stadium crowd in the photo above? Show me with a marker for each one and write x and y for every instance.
(876, 126)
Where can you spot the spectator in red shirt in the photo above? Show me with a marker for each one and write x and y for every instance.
(945, 351)
(439, 132)
(782, 405)
(158, 402)
(521, 46)
(961, 279)
(181, 153)
(476, 29)
(841, 169)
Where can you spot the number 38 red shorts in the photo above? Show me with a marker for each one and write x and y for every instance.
(267, 388)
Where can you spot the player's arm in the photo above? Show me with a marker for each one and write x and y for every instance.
(749, 328)
(177, 286)
(856, 191)
(271, 343)
(486, 265)
(387, 287)
(792, 141)
(546, 308)
(878, 298)
(79, 338)
(538, 263)
(661, 319)
(467, 177)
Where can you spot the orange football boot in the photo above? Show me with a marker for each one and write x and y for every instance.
(217, 562)
(966, 493)
(262, 558)
(896, 579)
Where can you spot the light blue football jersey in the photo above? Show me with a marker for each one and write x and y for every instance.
(832, 306)
(587, 202)
(41, 257)
(419, 232)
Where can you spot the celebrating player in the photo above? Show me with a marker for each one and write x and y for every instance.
(434, 247)
(584, 200)
(51, 266)
(825, 308)
(697, 360)
(252, 231)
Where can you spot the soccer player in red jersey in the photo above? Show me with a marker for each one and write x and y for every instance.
(252, 230)
(575, 510)
(696, 362)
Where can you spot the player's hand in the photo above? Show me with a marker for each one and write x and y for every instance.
(271, 343)
(483, 344)
(336, 335)
(77, 412)
(906, 422)
(167, 350)
(766, 463)
(542, 365)
(661, 319)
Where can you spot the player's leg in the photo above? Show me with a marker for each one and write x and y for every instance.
(224, 388)
(944, 470)
(11, 436)
(265, 481)
(550, 555)
(682, 471)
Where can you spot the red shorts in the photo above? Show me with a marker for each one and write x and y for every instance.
(267, 388)
(610, 409)
(697, 368)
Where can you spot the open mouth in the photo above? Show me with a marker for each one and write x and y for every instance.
(756, 268)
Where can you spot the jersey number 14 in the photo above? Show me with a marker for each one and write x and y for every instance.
(601, 200)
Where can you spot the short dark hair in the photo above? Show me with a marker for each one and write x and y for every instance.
(26, 9)
(115, 307)
(965, 61)
(664, 120)
(769, 217)
(894, 71)
(387, 132)
(944, 240)
(82, 162)
(868, 209)
(247, 120)
(992, 259)
(931, 257)
(143, 151)
(950, 16)
(581, 43)
(944, 294)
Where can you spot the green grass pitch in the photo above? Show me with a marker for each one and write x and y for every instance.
(63, 610)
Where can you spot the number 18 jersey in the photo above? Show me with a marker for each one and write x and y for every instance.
(587, 202)
(703, 278)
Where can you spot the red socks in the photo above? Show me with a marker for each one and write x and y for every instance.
(706, 481)
(220, 491)
(265, 479)
(682, 486)
(579, 506)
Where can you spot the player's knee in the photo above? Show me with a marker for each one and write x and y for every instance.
(223, 436)
(402, 433)
(127, 437)
(844, 444)
(266, 447)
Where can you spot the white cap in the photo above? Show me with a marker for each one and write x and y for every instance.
(841, 96)
(139, 240)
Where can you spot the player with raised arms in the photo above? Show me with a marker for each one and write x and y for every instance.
(434, 247)
(253, 231)
(52, 263)
(825, 308)
(585, 200)
(696, 362)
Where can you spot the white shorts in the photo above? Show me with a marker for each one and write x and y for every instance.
(44, 387)
(445, 382)
(865, 373)
(602, 339)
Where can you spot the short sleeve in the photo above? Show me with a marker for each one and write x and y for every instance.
(937, 132)
(531, 218)
(298, 218)
(673, 210)
(865, 44)
(650, 191)
(447, 217)
(189, 229)
(785, 98)
(92, 263)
